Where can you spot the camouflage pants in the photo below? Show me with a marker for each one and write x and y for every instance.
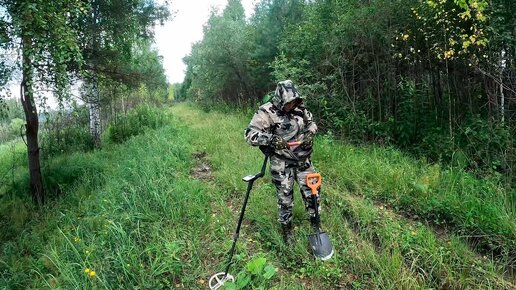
(284, 172)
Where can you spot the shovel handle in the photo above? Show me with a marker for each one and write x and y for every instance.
(294, 143)
(313, 185)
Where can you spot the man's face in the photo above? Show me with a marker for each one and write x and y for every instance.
(291, 105)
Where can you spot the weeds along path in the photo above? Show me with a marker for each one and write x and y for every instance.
(159, 212)
(375, 248)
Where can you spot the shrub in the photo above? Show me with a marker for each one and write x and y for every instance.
(11, 130)
(136, 122)
(66, 132)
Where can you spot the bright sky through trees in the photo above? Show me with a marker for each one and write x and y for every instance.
(175, 38)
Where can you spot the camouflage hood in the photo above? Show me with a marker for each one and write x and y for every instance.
(285, 93)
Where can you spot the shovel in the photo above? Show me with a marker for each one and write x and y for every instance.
(320, 242)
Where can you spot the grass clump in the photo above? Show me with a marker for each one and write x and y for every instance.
(479, 210)
(135, 122)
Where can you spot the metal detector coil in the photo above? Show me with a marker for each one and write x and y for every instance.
(218, 280)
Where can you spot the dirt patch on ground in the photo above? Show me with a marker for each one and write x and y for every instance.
(202, 169)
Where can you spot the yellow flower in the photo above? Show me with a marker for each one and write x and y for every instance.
(87, 270)
(448, 54)
(92, 274)
(77, 239)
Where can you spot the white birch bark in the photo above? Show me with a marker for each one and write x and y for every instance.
(94, 109)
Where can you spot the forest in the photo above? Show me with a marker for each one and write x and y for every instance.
(434, 78)
(113, 177)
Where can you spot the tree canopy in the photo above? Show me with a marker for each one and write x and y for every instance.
(435, 77)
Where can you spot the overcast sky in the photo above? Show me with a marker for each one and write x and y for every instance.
(175, 38)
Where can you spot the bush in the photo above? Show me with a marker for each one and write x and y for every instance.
(485, 144)
(11, 130)
(136, 122)
(66, 132)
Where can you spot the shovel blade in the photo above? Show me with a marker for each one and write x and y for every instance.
(321, 245)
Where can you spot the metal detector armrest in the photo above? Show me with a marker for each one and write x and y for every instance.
(250, 178)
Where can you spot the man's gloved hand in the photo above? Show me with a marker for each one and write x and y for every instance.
(278, 143)
(267, 150)
(308, 140)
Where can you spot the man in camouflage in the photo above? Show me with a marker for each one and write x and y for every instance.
(276, 123)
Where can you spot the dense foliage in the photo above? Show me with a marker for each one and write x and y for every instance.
(136, 122)
(103, 47)
(433, 77)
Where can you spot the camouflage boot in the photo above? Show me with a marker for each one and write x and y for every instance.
(288, 238)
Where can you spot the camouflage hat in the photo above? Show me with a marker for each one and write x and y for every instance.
(285, 93)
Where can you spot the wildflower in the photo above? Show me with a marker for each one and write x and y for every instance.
(90, 272)
(448, 54)
(405, 37)
(77, 239)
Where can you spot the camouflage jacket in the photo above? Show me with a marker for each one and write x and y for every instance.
(271, 119)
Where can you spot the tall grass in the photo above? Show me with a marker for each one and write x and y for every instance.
(133, 216)
(354, 171)
(479, 210)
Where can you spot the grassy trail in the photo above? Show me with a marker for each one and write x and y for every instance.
(374, 246)
(159, 212)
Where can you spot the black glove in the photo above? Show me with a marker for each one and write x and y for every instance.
(308, 140)
(267, 150)
(278, 143)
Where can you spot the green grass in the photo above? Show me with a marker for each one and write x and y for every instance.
(480, 211)
(135, 215)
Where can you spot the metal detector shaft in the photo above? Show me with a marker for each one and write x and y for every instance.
(250, 179)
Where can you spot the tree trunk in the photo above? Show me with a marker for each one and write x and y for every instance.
(92, 89)
(94, 108)
(32, 126)
(502, 96)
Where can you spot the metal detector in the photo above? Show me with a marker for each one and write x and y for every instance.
(320, 242)
(217, 281)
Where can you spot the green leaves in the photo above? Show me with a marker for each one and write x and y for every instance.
(257, 275)
(256, 266)
(270, 271)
